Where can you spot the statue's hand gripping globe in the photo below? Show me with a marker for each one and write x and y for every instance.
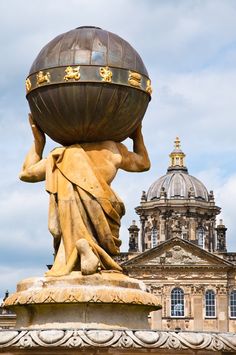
(88, 85)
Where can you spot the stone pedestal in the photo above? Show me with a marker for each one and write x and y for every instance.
(103, 300)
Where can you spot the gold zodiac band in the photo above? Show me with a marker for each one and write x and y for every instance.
(88, 74)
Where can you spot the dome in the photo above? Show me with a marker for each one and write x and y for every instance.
(177, 183)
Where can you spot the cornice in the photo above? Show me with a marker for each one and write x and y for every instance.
(173, 267)
(154, 204)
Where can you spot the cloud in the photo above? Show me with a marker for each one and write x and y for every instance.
(10, 276)
(226, 195)
(23, 234)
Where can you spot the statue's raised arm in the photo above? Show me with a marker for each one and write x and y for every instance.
(138, 160)
(34, 167)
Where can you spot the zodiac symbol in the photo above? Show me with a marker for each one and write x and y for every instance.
(134, 79)
(106, 74)
(72, 73)
(43, 78)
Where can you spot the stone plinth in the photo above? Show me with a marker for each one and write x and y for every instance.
(76, 341)
(103, 300)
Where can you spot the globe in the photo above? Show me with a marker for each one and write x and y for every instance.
(88, 85)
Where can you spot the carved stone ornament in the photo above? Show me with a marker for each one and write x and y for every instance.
(197, 289)
(75, 288)
(176, 256)
(222, 289)
(104, 300)
(13, 340)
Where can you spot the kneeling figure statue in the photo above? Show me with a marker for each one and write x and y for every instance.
(84, 211)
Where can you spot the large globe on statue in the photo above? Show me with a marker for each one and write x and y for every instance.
(88, 85)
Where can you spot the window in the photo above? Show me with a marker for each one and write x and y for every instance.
(177, 302)
(210, 303)
(200, 235)
(154, 237)
(233, 304)
(184, 235)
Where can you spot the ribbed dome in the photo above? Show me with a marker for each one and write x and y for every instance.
(178, 184)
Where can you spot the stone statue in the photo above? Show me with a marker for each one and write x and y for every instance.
(88, 90)
(84, 212)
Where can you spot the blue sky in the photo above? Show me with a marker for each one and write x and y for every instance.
(189, 49)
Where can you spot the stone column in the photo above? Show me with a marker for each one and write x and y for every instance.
(198, 312)
(162, 229)
(142, 234)
(222, 310)
(192, 229)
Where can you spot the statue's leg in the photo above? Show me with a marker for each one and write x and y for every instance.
(89, 262)
(59, 262)
(64, 269)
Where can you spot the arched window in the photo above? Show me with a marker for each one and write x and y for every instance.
(201, 237)
(177, 302)
(210, 303)
(233, 304)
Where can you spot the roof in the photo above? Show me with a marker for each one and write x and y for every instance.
(177, 252)
(177, 183)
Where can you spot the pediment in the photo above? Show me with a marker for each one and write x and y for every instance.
(176, 252)
(176, 255)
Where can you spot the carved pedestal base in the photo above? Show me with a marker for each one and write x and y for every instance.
(115, 342)
(105, 300)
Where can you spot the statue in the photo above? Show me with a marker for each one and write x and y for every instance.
(88, 96)
(88, 90)
(84, 212)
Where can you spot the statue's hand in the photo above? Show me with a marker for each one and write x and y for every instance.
(39, 136)
(137, 133)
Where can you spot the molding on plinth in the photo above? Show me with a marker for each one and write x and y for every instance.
(14, 340)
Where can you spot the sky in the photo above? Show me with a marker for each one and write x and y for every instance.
(189, 50)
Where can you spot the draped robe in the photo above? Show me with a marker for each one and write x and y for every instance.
(82, 205)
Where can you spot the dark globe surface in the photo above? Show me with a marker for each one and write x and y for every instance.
(88, 85)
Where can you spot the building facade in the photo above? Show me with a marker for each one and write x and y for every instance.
(7, 318)
(180, 252)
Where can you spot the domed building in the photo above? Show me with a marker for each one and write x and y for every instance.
(178, 204)
(180, 253)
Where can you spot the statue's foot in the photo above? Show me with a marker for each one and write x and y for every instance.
(88, 260)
